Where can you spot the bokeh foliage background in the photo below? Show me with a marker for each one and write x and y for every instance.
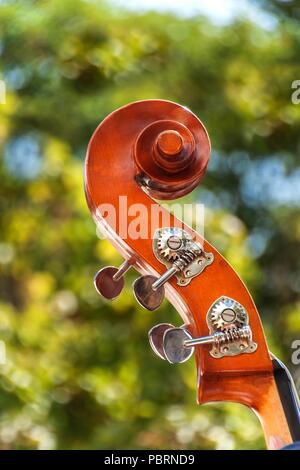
(79, 372)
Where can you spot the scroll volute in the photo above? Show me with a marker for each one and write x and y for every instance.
(159, 149)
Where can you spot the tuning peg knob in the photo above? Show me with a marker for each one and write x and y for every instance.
(156, 336)
(145, 294)
(149, 290)
(175, 345)
(109, 281)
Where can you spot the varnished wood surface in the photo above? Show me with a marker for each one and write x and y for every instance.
(110, 172)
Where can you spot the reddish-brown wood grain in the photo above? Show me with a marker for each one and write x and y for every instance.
(116, 154)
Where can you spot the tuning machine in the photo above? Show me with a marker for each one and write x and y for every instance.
(109, 281)
(177, 345)
(183, 258)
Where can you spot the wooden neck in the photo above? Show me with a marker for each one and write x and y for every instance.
(272, 417)
(270, 394)
(279, 410)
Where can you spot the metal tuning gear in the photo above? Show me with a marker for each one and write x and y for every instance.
(175, 248)
(228, 321)
(184, 259)
(109, 281)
